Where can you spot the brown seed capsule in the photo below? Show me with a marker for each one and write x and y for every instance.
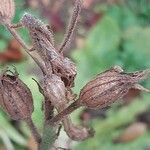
(15, 97)
(54, 90)
(61, 66)
(109, 86)
(7, 11)
(105, 89)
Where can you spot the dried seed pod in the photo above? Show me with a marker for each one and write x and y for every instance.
(61, 66)
(66, 69)
(109, 86)
(7, 11)
(105, 89)
(54, 90)
(15, 97)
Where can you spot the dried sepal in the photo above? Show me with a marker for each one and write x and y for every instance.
(36, 25)
(76, 133)
(66, 69)
(16, 97)
(7, 10)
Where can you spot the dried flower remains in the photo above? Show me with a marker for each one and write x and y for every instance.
(59, 73)
(16, 98)
(105, 89)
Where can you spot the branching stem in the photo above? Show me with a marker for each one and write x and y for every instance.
(75, 105)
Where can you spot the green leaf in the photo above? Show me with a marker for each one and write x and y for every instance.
(11, 132)
(100, 52)
(107, 129)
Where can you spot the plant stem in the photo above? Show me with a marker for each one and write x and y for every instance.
(49, 137)
(22, 43)
(48, 110)
(71, 26)
(18, 38)
(34, 131)
(75, 105)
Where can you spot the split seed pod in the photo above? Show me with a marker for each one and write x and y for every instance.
(15, 97)
(105, 89)
(7, 10)
(61, 66)
(66, 69)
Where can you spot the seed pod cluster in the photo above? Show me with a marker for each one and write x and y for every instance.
(15, 97)
(54, 91)
(7, 10)
(105, 89)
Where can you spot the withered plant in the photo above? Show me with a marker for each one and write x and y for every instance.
(59, 73)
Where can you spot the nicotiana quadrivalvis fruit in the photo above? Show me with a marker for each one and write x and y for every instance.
(61, 66)
(59, 73)
(53, 89)
(105, 89)
(16, 99)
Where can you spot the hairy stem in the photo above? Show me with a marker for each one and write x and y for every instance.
(77, 133)
(18, 38)
(49, 137)
(75, 105)
(16, 26)
(48, 110)
(34, 131)
(22, 43)
(71, 26)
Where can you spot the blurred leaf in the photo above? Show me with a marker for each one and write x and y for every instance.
(136, 48)
(137, 39)
(11, 132)
(48, 138)
(106, 129)
(100, 51)
(6, 140)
